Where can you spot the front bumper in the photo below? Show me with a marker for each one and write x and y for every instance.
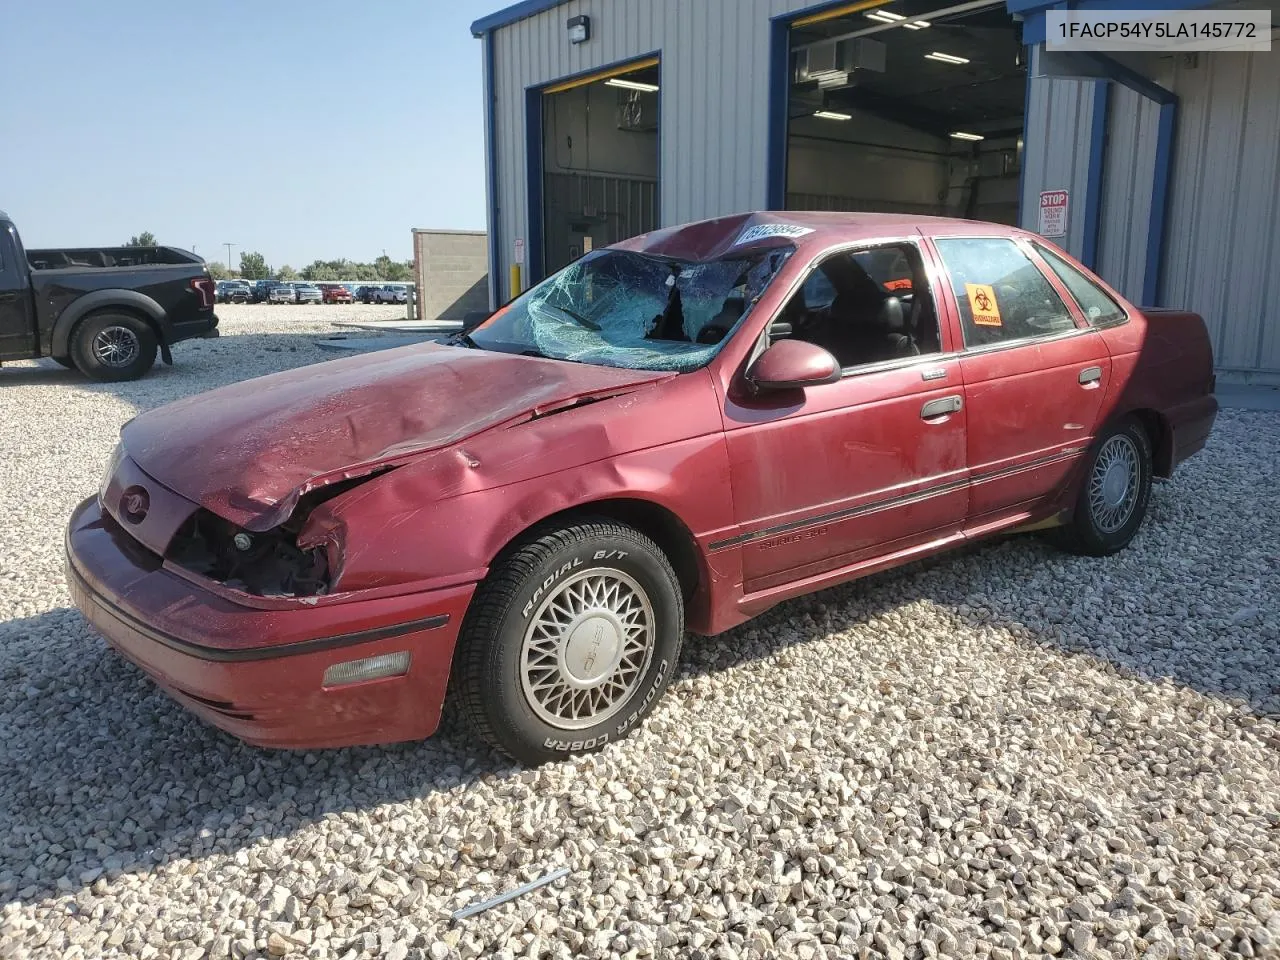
(258, 672)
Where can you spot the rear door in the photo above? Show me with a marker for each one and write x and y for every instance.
(1034, 373)
(17, 325)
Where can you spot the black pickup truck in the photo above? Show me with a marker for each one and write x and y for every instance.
(103, 310)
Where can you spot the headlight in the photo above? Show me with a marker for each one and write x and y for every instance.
(112, 465)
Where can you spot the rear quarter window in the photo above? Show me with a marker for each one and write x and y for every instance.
(1095, 303)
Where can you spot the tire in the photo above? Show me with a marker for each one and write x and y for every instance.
(65, 361)
(531, 626)
(1113, 499)
(111, 347)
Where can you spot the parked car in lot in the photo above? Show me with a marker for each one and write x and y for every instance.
(367, 293)
(307, 293)
(389, 293)
(103, 310)
(335, 293)
(234, 291)
(677, 431)
(280, 293)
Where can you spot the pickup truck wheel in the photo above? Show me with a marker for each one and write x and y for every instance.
(1113, 499)
(113, 346)
(570, 641)
(65, 361)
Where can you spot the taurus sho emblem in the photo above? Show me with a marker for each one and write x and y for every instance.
(134, 504)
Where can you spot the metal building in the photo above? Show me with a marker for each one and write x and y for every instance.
(607, 118)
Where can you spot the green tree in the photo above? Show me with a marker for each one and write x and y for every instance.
(217, 270)
(253, 266)
(323, 270)
(393, 270)
(286, 273)
(144, 239)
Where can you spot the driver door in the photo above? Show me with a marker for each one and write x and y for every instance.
(832, 475)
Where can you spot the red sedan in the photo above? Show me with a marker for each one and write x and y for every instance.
(676, 432)
(335, 293)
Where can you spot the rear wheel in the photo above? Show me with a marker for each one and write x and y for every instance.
(65, 361)
(1114, 497)
(113, 346)
(570, 641)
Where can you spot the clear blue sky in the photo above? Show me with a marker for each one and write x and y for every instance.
(304, 129)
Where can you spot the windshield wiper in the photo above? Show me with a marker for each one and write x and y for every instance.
(463, 339)
(576, 317)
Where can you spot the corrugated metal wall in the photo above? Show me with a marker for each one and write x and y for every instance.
(1128, 165)
(1056, 153)
(715, 56)
(1222, 232)
(1222, 247)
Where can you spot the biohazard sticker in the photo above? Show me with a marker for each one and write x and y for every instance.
(982, 304)
(762, 231)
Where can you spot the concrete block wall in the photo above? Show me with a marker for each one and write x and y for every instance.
(452, 273)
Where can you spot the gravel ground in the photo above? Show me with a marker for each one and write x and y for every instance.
(1004, 752)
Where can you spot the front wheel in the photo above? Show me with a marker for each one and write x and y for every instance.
(113, 346)
(570, 641)
(1114, 497)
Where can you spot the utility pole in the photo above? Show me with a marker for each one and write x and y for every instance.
(229, 246)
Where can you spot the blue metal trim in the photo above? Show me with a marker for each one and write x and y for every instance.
(1132, 79)
(1159, 203)
(509, 15)
(779, 94)
(1022, 160)
(533, 145)
(491, 176)
(1032, 7)
(1093, 182)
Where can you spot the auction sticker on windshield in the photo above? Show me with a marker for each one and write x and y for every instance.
(762, 231)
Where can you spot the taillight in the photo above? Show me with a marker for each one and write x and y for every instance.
(205, 290)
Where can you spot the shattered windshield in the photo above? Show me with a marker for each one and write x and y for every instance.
(618, 308)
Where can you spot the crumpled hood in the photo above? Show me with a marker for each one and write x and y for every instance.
(248, 451)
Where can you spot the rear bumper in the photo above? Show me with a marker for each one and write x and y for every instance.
(258, 673)
(1190, 424)
(190, 329)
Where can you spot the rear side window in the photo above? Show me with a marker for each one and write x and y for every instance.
(1095, 303)
(1002, 295)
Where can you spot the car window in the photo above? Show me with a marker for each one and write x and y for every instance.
(847, 307)
(1095, 303)
(1002, 295)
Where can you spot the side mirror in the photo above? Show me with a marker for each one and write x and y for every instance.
(793, 364)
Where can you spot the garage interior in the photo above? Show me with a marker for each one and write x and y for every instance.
(923, 118)
(599, 161)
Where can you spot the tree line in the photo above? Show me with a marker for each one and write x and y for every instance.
(254, 266)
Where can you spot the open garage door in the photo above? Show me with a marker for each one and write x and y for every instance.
(599, 162)
(905, 107)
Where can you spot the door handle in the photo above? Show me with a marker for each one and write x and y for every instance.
(940, 407)
(1090, 375)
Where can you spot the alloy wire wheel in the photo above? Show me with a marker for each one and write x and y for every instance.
(1114, 494)
(570, 641)
(115, 346)
(587, 648)
(1113, 484)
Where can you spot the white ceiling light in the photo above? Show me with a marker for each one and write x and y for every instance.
(832, 115)
(631, 85)
(887, 16)
(945, 58)
(961, 135)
